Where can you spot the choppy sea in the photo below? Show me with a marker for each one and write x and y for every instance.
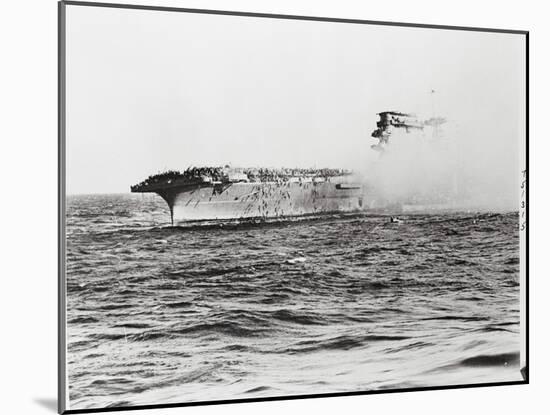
(346, 303)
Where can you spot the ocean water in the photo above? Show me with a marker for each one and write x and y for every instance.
(335, 304)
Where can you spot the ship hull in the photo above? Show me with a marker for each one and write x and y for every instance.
(260, 200)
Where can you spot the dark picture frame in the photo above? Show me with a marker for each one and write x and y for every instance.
(62, 173)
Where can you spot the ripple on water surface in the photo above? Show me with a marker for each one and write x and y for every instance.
(340, 303)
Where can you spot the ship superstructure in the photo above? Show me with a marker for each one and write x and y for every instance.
(389, 121)
(436, 192)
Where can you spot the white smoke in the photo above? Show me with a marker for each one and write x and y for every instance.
(448, 167)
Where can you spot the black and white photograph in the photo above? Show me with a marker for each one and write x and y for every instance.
(259, 207)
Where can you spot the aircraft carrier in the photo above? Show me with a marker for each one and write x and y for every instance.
(209, 193)
(230, 193)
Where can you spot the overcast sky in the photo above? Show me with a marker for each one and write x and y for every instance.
(149, 91)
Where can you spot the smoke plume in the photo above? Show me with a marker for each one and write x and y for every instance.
(440, 166)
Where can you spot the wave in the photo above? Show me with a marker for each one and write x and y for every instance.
(225, 294)
(298, 318)
(512, 261)
(109, 307)
(456, 318)
(178, 304)
(259, 389)
(118, 404)
(133, 325)
(208, 272)
(238, 348)
(107, 336)
(503, 359)
(226, 328)
(500, 360)
(344, 342)
(376, 249)
(132, 337)
(83, 320)
(489, 329)
(410, 346)
(148, 335)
